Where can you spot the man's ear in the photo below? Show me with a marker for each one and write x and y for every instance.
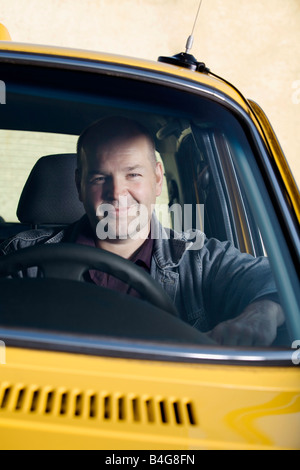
(78, 182)
(159, 178)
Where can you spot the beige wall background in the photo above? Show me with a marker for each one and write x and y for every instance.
(252, 43)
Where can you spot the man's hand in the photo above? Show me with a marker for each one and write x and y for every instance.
(256, 326)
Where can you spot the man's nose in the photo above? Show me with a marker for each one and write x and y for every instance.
(115, 187)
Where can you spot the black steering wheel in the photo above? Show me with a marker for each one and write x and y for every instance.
(70, 261)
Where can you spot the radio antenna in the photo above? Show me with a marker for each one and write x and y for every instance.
(184, 59)
(190, 41)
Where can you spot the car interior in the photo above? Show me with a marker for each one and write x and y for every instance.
(194, 139)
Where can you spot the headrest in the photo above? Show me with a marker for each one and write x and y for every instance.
(50, 194)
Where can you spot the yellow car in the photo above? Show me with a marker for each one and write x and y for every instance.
(83, 367)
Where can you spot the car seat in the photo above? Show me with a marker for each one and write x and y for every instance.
(49, 196)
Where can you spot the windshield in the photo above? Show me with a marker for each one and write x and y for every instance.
(218, 252)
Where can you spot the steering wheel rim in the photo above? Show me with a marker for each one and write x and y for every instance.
(54, 260)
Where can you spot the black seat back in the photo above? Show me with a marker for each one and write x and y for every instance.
(50, 195)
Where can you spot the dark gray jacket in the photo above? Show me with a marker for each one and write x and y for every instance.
(208, 280)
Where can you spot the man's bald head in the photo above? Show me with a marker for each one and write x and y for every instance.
(109, 130)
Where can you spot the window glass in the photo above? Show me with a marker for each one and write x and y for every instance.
(201, 146)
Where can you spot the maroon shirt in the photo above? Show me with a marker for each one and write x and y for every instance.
(142, 257)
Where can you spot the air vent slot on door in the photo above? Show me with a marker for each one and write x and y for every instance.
(4, 396)
(51, 401)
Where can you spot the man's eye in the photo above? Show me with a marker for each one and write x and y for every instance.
(134, 175)
(98, 180)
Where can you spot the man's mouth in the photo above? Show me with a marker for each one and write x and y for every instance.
(109, 210)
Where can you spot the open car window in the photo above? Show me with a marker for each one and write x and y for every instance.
(212, 181)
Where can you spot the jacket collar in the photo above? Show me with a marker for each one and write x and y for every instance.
(170, 247)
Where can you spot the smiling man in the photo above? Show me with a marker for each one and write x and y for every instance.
(118, 180)
(216, 288)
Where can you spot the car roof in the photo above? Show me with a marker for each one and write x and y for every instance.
(4, 33)
(56, 52)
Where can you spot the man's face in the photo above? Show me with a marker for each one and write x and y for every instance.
(119, 184)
